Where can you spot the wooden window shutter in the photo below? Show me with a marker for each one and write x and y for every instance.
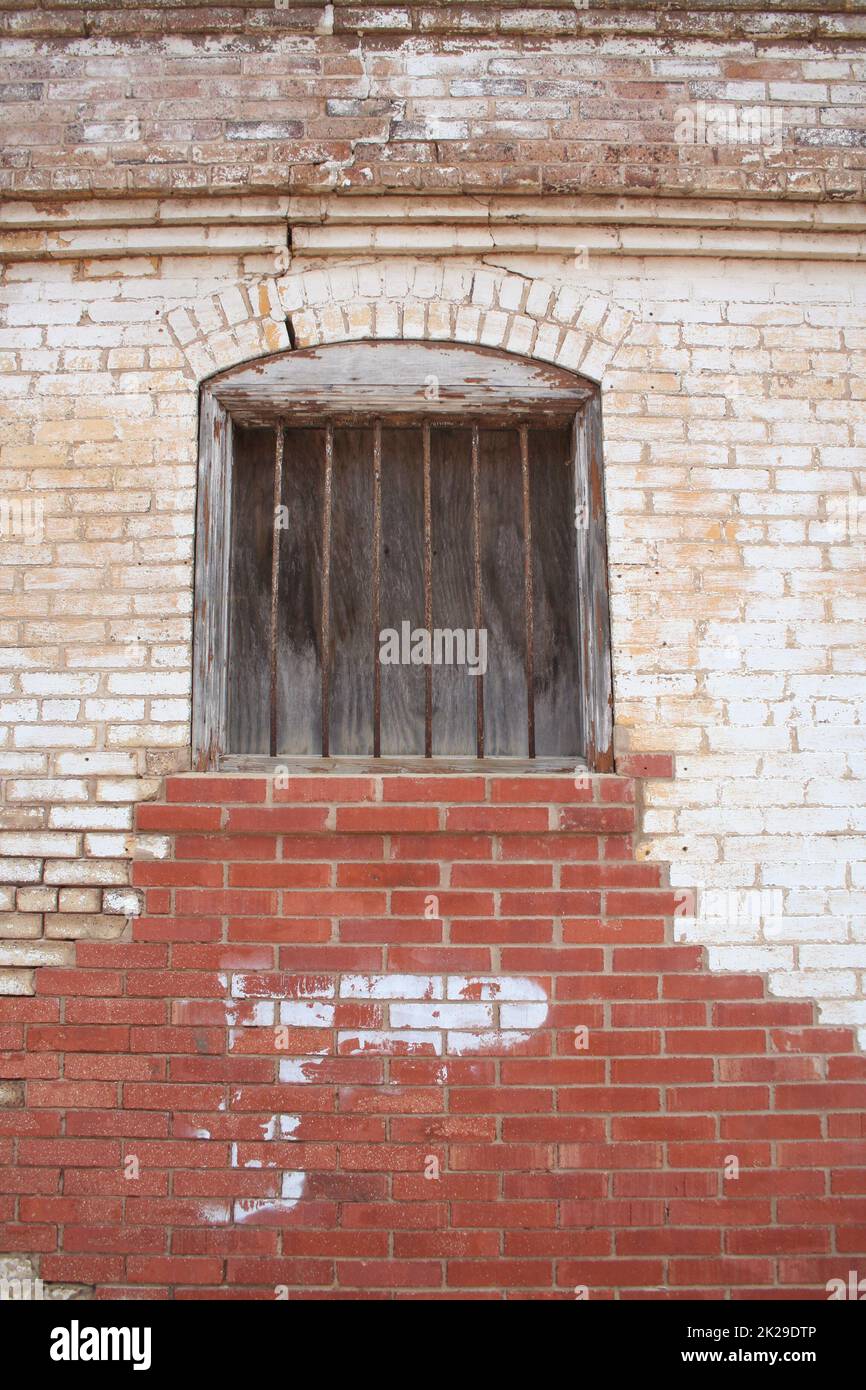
(356, 491)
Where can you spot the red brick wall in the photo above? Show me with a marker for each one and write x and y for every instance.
(443, 1127)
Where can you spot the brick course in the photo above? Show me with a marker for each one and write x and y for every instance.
(527, 98)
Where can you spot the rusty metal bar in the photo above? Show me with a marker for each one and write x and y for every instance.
(428, 596)
(275, 579)
(377, 585)
(326, 589)
(527, 589)
(476, 558)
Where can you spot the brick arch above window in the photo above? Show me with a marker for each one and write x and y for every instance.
(570, 325)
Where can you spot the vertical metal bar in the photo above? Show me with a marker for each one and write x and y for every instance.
(326, 590)
(428, 596)
(527, 589)
(275, 577)
(377, 585)
(476, 555)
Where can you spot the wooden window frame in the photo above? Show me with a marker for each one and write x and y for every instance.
(339, 382)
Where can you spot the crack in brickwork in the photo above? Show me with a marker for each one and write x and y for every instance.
(574, 327)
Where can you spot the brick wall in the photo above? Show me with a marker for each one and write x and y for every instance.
(726, 329)
(734, 473)
(525, 98)
(395, 1036)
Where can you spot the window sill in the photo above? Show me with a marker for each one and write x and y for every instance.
(381, 767)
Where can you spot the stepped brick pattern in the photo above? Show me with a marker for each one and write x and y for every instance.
(405, 1036)
(736, 518)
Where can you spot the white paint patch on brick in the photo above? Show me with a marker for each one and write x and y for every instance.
(303, 1013)
(441, 1015)
(390, 987)
(427, 1016)
(494, 1041)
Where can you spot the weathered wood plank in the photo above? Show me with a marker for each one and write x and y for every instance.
(452, 585)
(276, 548)
(501, 502)
(351, 628)
(593, 595)
(248, 683)
(210, 643)
(299, 605)
(384, 378)
(402, 586)
(253, 762)
(555, 617)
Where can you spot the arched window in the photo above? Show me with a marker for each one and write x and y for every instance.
(401, 555)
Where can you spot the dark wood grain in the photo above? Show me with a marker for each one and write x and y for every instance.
(555, 632)
(402, 586)
(276, 550)
(252, 533)
(299, 658)
(501, 501)
(351, 626)
(452, 584)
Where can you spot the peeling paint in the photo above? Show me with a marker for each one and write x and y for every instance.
(427, 1015)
